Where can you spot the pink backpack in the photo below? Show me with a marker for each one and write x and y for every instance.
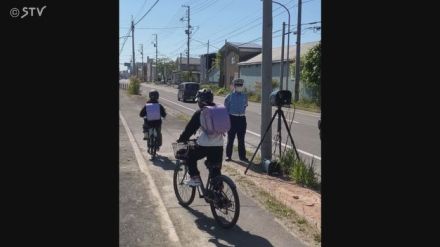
(153, 111)
(215, 119)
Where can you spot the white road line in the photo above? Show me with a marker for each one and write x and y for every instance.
(253, 133)
(284, 145)
(288, 120)
(167, 223)
(178, 104)
(302, 113)
(222, 97)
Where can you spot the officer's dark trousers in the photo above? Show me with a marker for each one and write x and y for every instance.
(238, 127)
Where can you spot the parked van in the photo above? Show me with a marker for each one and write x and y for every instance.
(187, 91)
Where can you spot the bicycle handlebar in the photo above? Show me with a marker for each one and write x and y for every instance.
(190, 140)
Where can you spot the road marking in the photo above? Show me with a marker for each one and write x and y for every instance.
(178, 104)
(284, 145)
(290, 120)
(297, 111)
(303, 113)
(167, 223)
(253, 133)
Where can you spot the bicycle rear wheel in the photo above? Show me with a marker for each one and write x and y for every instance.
(184, 193)
(225, 206)
(153, 146)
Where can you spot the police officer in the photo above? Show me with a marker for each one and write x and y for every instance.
(236, 103)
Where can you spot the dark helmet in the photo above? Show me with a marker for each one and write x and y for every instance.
(205, 96)
(154, 94)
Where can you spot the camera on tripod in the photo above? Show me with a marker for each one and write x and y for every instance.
(277, 98)
(281, 98)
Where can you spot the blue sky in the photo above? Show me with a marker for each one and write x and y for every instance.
(213, 20)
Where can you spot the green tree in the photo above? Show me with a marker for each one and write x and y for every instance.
(311, 71)
(134, 85)
(165, 65)
(292, 69)
(188, 76)
(218, 63)
(275, 84)
(218, 60)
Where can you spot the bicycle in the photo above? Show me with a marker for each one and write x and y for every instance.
(220, 193)
(152, 142)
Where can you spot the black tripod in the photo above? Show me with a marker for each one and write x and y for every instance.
(280, 115)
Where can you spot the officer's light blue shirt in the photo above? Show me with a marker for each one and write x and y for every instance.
(236, 103)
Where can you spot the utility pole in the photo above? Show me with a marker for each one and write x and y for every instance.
(188, 32)
(266, 89)
(148, 77)
(142, 55)
(282, 57)
(132, 47)
(180, 68)
(298, 57)
(155, 45)
(165, 73)
(207, 64)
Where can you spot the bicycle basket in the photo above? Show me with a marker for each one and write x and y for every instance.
(180, 150)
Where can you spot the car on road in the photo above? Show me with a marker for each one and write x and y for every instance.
(187, 91)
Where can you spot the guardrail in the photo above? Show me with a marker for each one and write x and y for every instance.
(123, 86)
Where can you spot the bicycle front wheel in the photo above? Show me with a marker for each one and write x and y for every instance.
(184, 193)
(225, 206)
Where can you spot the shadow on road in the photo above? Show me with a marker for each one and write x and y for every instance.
(164, 162)
(191, 102)
(255, 167)
(234, 236)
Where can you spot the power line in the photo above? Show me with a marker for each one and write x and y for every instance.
(152, 27)
(228, 4)
(259, 38)
(230, 34)
(140, 9)
(147, 12)
(123, 44)
(309, 23)
(196, 11)
(247, 23)
(194, 2)
(204, 43)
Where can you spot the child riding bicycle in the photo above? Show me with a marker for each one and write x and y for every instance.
(213, 121)
(152, 113)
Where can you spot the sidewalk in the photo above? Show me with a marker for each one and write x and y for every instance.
(304, 202)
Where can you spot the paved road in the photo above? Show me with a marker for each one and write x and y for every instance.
(304, 131)
(147, 220)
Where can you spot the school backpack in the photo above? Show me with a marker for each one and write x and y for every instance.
(153, 111)
(215, 119)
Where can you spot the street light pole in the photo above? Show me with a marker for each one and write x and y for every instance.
(298, 56)
(288, 45)
(282, 58)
